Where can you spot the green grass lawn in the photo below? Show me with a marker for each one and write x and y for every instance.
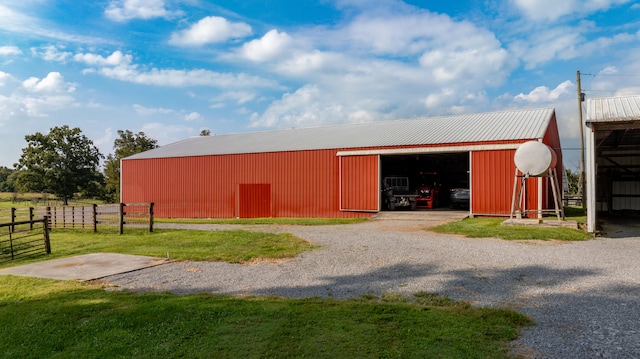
(492, 227)
(50, 318)
(234, 246)
(64, 319)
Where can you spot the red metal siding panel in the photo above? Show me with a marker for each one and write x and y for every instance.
(254, 200)
(303, 184)
(492, 177)
(359, 183)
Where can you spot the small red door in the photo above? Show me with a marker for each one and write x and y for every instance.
(254, 200)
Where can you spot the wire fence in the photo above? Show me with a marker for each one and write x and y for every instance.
(89, 217)
(20, 239)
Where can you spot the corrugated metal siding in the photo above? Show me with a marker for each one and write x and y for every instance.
(303, 184)
(626, 195)
(613, 109)
(307, 183)
(254, 200)
(359, 183)
(492, 176)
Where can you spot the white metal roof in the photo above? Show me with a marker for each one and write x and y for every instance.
(613, 109)
(469, 128)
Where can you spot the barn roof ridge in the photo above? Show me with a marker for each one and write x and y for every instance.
(506, 125)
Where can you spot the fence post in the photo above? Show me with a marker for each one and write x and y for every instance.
(11, 244)
(48, 214)
(95, 218)
(30, 218)
(13, 219)
(45, 228)
(151, 217)
(122, 218)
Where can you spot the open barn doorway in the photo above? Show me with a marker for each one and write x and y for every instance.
(424, 181)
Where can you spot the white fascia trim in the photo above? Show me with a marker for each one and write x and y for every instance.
(425, 150)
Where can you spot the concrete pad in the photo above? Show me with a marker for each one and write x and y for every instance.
(84, 267)
(540, 223)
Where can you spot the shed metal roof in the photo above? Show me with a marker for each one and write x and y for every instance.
(480, 127)
(613, 109)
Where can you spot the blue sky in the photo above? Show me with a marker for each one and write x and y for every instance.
(172, 68)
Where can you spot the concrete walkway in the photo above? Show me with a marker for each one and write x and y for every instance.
(84, 267)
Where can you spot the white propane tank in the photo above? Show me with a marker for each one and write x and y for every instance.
(534, 158)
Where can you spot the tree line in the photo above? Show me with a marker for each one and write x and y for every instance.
(66, 163)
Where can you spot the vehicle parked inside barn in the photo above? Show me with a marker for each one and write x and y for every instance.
(398, 194)
(459, 197)
(428, 191)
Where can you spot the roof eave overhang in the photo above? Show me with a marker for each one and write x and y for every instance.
(427, 150)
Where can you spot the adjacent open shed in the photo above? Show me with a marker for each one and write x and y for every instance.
(338, 171)
(613, 157)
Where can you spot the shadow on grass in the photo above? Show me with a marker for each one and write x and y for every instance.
(570, 320)
(64, 319)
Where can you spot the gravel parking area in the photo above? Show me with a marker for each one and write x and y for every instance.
(582, 295)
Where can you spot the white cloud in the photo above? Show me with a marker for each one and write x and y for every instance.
(317, 62)
(51, 53)
(124, 10)
(15, 21)
(117, 58)
(34, 97)
(184, 78)
(5, 78)
(155, 111)
(53, 83)
(407, 63)
(239, 97)
(612, 81)
(211, 29)
(9, 50)
(121, 67)
(193, 116)
(303, 108)
(270, 46)
(563, 98)
(565, 43)
(106, 139)
(147, 111)
(551, 10)
(543, 94)
(400, 33)
(167, 133)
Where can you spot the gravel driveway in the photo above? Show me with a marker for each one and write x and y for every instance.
(584, 296)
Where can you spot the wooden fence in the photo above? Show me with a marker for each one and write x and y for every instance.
(89, 217)
(17, 214)
(20, 239)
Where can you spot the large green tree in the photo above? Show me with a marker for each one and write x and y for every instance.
(62, 162)
(6, 182)
(127, 144)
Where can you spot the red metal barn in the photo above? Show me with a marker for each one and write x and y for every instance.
(337, 171)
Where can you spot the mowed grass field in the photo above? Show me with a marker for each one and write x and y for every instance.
(44, 318)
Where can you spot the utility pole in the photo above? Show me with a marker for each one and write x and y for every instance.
(581, 184)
